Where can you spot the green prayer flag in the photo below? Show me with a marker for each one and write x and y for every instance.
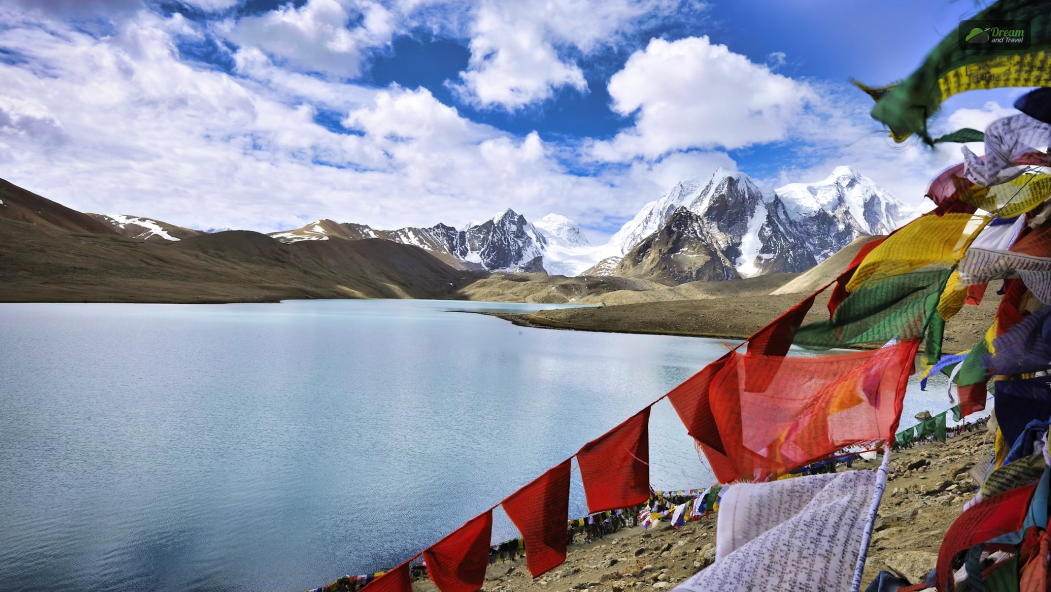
(895, 308)
(939, 427)
(953, 67)
(956, 414)
(973, 369)
(962, 136)
(904, 438)
(935, 334)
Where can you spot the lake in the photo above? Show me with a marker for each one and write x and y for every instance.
(280, 446)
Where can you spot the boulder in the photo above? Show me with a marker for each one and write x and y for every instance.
(895, 518)
(914, 565)
(940, 487)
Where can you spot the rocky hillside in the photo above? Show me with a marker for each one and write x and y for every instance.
(683, 250)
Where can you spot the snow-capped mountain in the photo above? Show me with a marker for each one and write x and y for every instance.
(656, 214)
(508, 242)
(719, 228)
(144, 228)
(789, 229)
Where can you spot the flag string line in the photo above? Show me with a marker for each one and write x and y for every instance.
(665, 395)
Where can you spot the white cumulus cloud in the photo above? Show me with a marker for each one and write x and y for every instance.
(691, 93)
(317, 36)
(515, 46)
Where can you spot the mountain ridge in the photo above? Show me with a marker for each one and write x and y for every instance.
(783, 230)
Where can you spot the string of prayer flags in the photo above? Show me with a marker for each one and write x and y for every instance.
(952, 68)
(615, 467)
(539, 511)
(457, 563)
(935, 426)
(809, 409)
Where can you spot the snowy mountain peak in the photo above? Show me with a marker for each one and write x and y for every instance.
(561, 231)
(721, 173)
(844, 171)
(844, 193)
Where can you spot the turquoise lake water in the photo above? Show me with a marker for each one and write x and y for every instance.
(280, 446)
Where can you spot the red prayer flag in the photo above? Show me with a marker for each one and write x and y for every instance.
(975, 293)
(690, 400)
(615, 467)
(809, 408)
(395, 580)
(457, 563)
(775, 339)
(986, 520)
(540, 511)
(972, 397)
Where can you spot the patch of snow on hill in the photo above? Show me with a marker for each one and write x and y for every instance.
(151, 226)
(751, 244)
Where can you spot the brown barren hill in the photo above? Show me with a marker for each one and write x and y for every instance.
(44, 264)
(25, 206)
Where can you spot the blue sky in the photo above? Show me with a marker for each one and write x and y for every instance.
(267, 115)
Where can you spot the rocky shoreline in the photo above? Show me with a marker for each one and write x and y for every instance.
(927, 487)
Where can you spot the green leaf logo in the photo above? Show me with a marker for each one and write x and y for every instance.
(978, 36)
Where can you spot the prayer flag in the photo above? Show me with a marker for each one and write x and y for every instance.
(457, 562)
(809, 409)
(615, 467)
(1018, 402)
(395, 580)
(539, 511)
(982, 522)
(1009, 142)
(1026, 347)
(952, 68)
(779, 536)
